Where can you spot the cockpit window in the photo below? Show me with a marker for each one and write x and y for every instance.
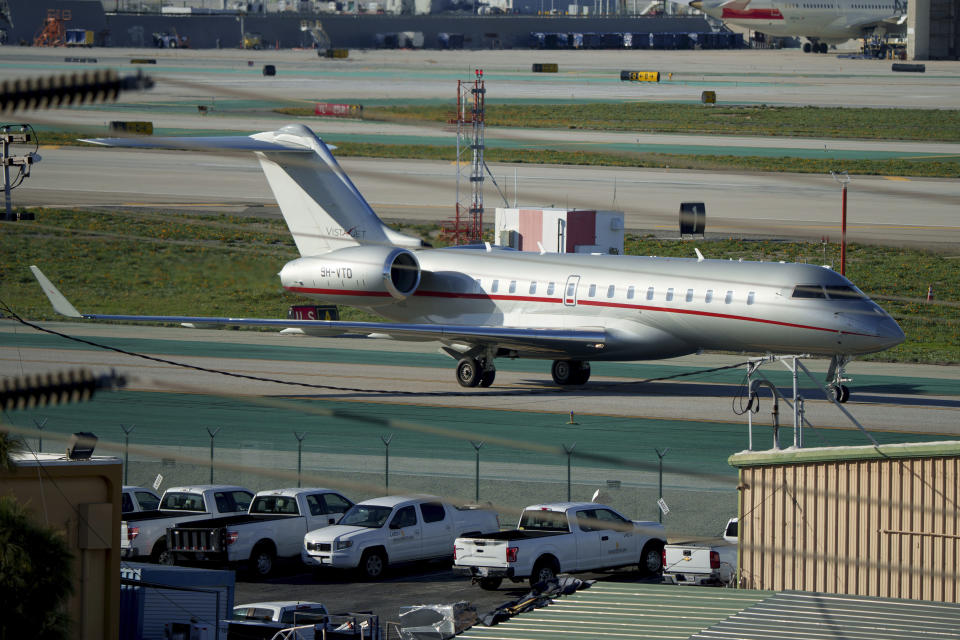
(808, 291)
(842, 292)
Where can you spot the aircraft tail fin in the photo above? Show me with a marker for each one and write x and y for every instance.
(322, 207)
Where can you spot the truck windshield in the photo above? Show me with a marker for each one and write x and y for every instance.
(181, 501)
(365, 515)
(537, 520)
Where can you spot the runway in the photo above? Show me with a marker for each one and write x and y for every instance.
(740, 204)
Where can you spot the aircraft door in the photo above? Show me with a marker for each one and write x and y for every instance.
(570, 292)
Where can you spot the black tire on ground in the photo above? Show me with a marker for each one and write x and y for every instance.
(582, 372)
(468, 372)
(563, 372)
(807, 47)
(161, 555)
(373, 564)
(543, 571)
(490, 584)
(823, 47)
(651, 559)
(487, 377)
(262, 561)
(843, 393)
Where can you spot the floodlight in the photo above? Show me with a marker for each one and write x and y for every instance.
(81, 445)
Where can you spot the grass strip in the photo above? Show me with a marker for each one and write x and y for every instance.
(138, 262)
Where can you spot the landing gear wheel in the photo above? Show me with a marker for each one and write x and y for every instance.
(490, 584)
(468, 372)
(487, 377)
(807, 47)
(373, 564)
(566, 372)
(841, 393)
(562, 372)
(582, 373)
(822, 48)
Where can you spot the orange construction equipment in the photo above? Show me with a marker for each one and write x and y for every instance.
(53, 31)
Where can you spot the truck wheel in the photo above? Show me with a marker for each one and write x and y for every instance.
(651, 559)
(161, 555)
(490, 584)
(543, 571)
(261, 561)
(373, 564)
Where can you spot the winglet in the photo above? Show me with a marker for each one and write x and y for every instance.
(60, 304)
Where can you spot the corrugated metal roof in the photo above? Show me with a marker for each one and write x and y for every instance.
(622, 611)
(818, 616)
(939, 449)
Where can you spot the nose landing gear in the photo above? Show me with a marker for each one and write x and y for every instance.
(836, 377)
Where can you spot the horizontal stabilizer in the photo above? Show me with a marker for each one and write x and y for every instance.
(60, 304)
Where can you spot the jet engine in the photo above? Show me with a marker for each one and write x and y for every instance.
(363, 276)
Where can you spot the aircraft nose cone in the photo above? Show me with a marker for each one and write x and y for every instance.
(696, 4)
(889, 333)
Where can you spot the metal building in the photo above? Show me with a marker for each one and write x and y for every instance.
(933, 30)
(871, 521)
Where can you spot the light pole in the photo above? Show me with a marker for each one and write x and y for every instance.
(660, 484)
(126, 450)
(569, 451)
(386, 461)
(213, 434)
(476, 446)
(299, 437)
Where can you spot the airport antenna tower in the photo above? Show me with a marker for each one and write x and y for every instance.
(467, 225)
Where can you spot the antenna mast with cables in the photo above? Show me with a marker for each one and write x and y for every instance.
(467, 225)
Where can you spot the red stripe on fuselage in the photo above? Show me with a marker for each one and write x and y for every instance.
(751, 14)
(585, 303)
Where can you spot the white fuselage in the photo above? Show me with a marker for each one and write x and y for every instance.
(831, 21)
(650, 307)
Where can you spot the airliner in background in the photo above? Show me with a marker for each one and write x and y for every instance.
(482, 303)
(822, 22)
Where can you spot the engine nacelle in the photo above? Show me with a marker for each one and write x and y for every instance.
(362, 276)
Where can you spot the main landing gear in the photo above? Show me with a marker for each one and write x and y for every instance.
(479, 371)
(475, 372)
(567, 372)
(815, 47)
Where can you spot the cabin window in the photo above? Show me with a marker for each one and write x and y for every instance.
(533, 287)
(689, 295)
(709, 296)
(630, 292)
(728, 298)
(592, 291)
(479, 285)
(494, 286)
(650, 293)
(611, 290)
(840, 292)
(808, 291)
(513, 286)
(550, 289)
(750, 297)
(670, 294)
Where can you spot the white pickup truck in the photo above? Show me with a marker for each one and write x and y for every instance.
(560, 538)
(272, 528)
(134, 499)
(394, 529)
(147, 530)
(265, 619)
(699, 563)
